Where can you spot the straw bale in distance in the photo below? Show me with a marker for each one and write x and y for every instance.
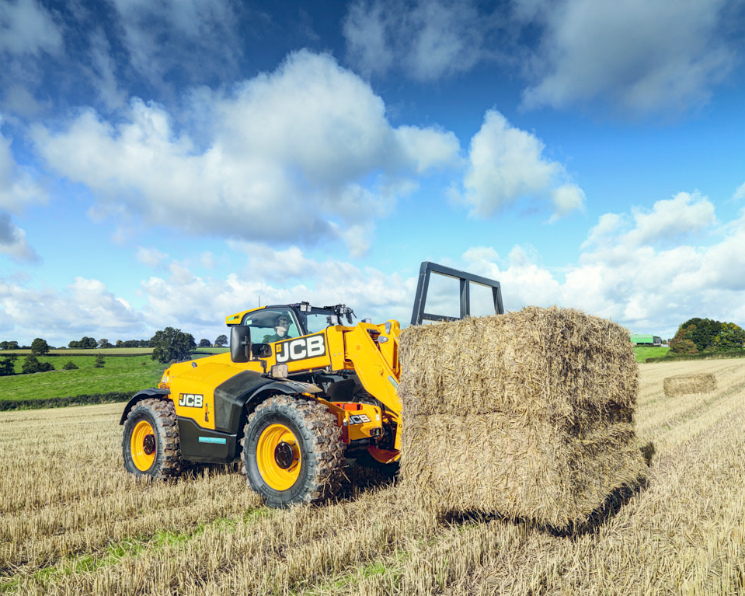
(528, 414)
(687, 384)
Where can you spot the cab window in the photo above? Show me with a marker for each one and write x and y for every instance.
(316, 322)
(270, 325)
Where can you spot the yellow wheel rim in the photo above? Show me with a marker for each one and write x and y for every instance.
(142, 445)
(278, 457)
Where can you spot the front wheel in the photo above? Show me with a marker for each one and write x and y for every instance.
(151, 443)
(292, 451)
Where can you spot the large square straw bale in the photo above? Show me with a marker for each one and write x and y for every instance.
(687, 384)
(528, 414)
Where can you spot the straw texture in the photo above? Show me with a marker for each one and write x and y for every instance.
(528, 414)
(687, 384)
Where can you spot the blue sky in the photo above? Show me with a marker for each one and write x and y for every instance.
(171, 163)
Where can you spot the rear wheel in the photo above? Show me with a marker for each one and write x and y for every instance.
(151, 443)
(292, 451)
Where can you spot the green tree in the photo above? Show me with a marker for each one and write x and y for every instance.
(88, 343)
(99, 361)
(204, 343)
(8, 345)
(706, 335)
(70, 365)
(222, 340)
(683, 346)
(39, 347)
(32, 365)
(8, 365)
(104, 343)
(731, 337)
(172, 344)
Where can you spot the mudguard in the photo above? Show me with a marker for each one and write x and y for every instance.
(232, 396)
(139, 396)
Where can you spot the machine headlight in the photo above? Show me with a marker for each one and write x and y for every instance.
(279, 370)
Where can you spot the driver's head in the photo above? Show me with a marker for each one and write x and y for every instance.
(282, 325)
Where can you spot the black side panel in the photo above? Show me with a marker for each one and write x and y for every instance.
(140, 395)
(204, 445)
(230, 397)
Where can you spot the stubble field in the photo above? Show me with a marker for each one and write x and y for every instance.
(72, 521)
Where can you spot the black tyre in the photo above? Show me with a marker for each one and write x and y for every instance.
(293, 452)
(151, 443)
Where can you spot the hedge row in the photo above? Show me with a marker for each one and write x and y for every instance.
(61, 402)
(671, 357)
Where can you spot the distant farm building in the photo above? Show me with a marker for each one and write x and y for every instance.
(646, 340)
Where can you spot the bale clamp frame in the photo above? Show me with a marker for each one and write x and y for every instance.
(427, 268)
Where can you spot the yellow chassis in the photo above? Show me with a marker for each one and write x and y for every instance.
(336, 349)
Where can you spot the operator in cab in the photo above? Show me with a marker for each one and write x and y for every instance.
(280, 330)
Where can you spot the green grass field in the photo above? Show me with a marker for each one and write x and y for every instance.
(644, 352)
(208, 351)
(124, 374)
(127, 370)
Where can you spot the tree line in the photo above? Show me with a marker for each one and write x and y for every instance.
(169, 345)
(90, 343)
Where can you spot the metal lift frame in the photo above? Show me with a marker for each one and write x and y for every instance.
(418, 315)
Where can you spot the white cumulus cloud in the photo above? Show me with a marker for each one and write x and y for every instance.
(151, 257)
(686, 213)
(683, 216)
(299, 154)
(272, 276)
(84, 307)
(507, 164)
(650, 269)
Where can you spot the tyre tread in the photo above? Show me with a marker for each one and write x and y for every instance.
(322, 437)
(170, 463)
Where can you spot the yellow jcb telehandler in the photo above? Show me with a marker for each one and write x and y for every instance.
(298, 393)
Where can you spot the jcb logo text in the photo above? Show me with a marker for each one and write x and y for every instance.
(191, 400)
(301, 348)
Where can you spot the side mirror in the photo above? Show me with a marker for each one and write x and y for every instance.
(240, 343)
(261, 350)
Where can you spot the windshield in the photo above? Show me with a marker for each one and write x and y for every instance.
(271, 324)
(316, 322)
